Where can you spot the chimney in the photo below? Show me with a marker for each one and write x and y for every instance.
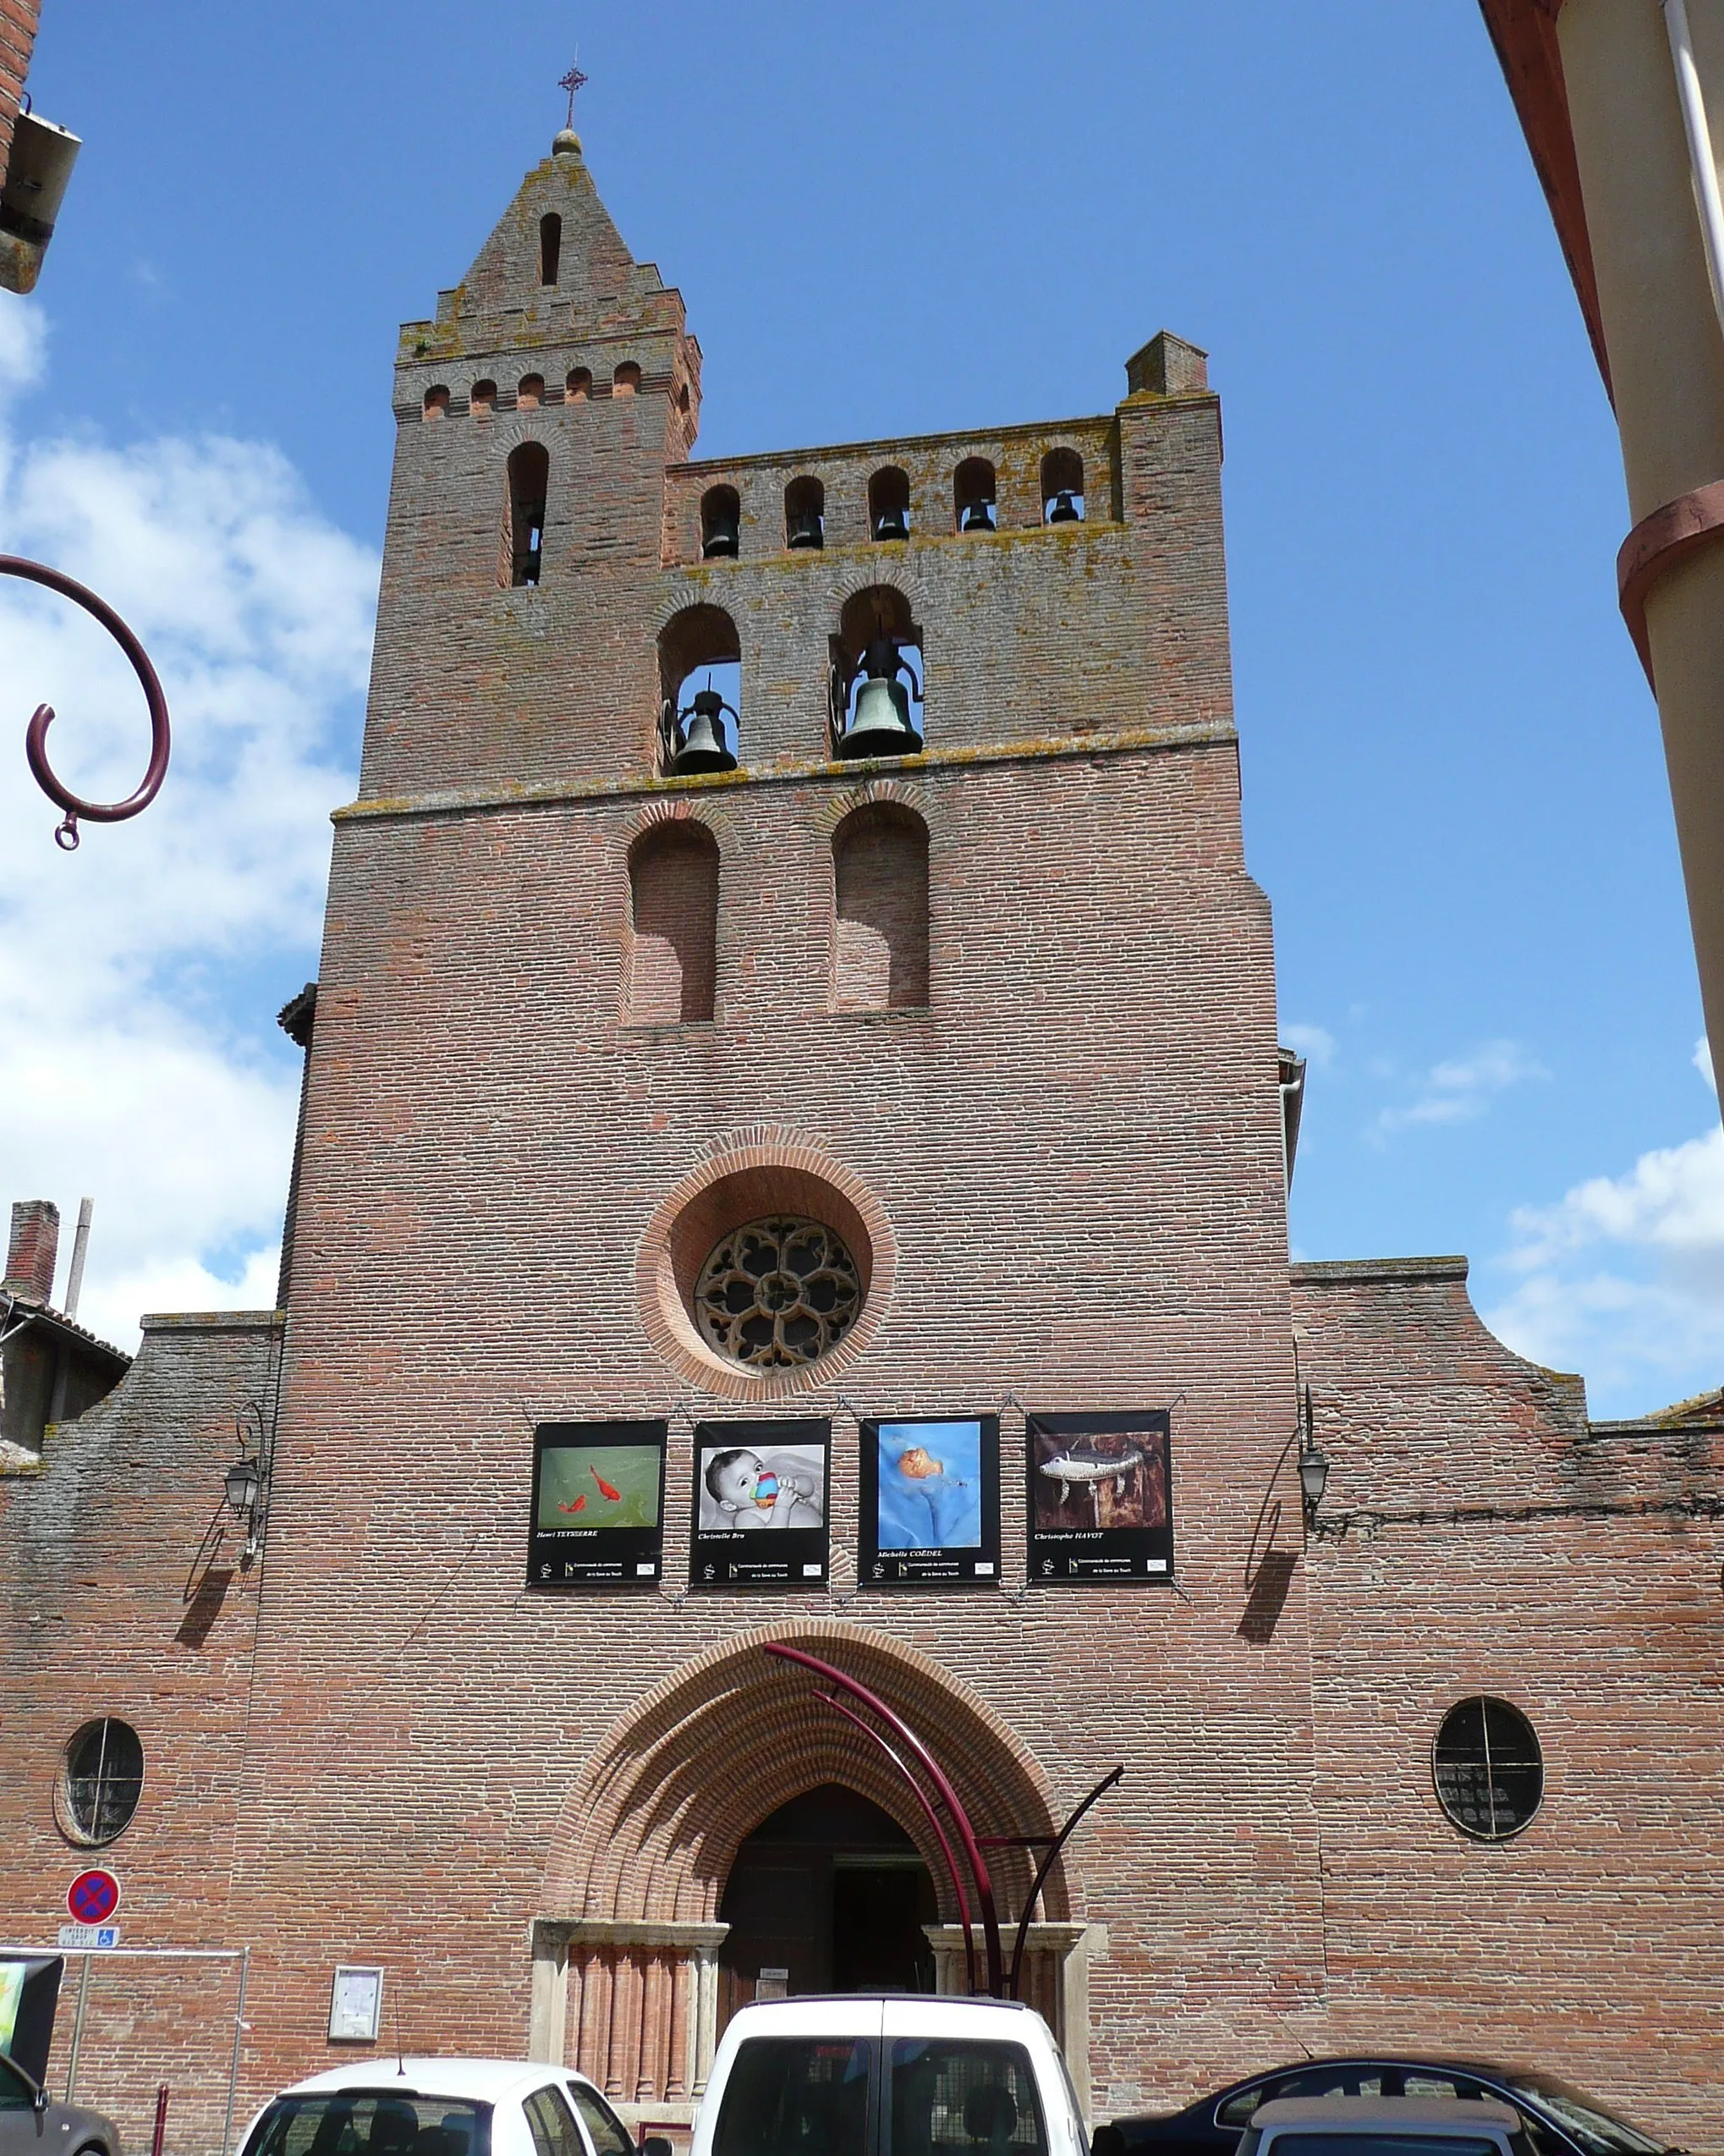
(31, 1254)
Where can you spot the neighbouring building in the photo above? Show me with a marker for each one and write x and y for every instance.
(795, 1150)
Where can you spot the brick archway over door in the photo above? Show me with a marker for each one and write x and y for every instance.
(625, 1950)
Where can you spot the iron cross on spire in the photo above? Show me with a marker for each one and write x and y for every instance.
(573, 81)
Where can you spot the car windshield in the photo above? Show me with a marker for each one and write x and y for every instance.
(796, 2096)
(1598, 2133)
(371, 2122)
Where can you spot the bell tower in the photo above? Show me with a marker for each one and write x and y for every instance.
(891, 1035)
(536, 415)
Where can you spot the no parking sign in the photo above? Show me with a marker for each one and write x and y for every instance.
(93, 1896)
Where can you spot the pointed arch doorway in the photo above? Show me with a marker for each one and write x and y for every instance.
(828, 1894)
(630, 1951)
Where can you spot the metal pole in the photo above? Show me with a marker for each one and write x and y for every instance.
(238, 2032)
(77, 2028)
(161, 2132)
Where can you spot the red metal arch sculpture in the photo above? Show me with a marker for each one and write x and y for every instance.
(36, 735)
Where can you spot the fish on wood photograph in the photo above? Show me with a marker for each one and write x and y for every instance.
(1099, 1496)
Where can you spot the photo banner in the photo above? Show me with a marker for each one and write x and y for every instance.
(930, 1503)
(1101, 1508)
(761, 1504)
(598, 1505)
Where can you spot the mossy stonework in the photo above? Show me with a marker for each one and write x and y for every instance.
(1000, 1018)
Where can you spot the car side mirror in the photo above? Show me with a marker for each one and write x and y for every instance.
(655, 2145)
(40, 2101)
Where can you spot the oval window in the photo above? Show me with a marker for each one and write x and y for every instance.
(1489, 1772)
(104, 1778)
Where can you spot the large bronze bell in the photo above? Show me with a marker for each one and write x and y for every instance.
(806, 529)
(978, 516)
(892, 524)
(880, 725)
(700, 738)
(719, 541)
(1065, 509)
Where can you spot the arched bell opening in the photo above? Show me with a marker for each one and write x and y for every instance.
(828, 1894)
(721, 524)
(805, 514)
(875, 684)
(625, 382)
(1063, 487)
(437, 401)
(699, 671)
(672, 971)
(482, 397)
(974, 493)
(889, 504)
(879, 909)
(579, 386)
(529, 484)
(529, 392)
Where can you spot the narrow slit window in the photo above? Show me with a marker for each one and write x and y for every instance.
(529, 485)
(549, 247)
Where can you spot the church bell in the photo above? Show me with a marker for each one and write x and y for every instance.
(1065, 509)
(701, 737)
(979, 516)
(806, 530)
(880, 725)
(719, 541)
(892, 524)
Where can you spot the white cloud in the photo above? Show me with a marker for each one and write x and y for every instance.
(138, 976)
(1460, 1091)
(1315, 1043)
(1624, 1277)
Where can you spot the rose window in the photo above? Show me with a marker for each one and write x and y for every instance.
(777, 1292)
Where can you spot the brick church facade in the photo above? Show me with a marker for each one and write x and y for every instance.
(993, 1010)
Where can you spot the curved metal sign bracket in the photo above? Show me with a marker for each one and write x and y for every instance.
(35, 737)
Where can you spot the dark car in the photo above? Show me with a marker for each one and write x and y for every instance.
(1560, 2121)
(31, 2124)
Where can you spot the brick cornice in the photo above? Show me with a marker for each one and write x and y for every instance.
(1206, 734)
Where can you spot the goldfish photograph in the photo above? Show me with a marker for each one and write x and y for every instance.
(599, 1486)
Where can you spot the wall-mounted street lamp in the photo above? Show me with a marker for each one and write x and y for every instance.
(244, 1485)
(1313, 1467)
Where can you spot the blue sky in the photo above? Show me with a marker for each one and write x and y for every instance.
(884, 220)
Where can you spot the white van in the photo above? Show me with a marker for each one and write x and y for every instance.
(903, 2076)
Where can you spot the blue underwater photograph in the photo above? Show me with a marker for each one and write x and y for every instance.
(930, 1485)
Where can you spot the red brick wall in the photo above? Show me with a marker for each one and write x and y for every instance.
(17, 27)
(124, 1590)
(1477, 1536)
(880, 940)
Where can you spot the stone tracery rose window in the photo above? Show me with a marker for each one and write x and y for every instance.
(777, 1292)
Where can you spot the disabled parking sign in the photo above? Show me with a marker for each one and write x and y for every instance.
(93, 1896)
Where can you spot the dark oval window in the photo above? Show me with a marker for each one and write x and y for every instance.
(104, 1778)
(1489, 1772)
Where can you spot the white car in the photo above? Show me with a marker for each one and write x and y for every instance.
(443, 2107)
(899, 2076)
